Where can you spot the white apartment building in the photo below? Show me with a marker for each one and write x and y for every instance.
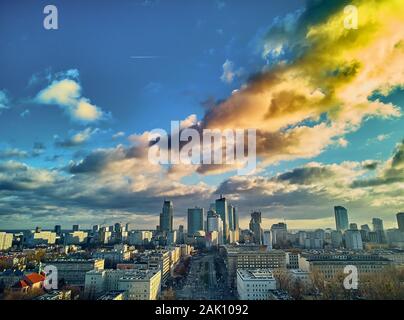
(138, 284)
(76, 237)
(41, 237)
(141, 285)
(6, 241)
(255, 284)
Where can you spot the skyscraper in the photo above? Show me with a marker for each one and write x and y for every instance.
(379, 229)
(222, 210)
(166, 217)
(341, 218)
(58, 229)
(255, 227)
(214, 223)
(76, 227)
(400, 221)
(195, 220)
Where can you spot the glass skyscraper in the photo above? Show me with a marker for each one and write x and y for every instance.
(195, 220)
(341, 218)
(166, 217)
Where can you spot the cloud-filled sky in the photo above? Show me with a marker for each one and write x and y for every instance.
(77, 105)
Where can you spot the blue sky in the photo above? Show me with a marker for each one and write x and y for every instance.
(142, 64)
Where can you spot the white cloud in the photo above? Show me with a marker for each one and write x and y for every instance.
(4, 100)
(66, 93)
(229, 73)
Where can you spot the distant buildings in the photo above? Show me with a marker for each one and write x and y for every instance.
(255, 284)
(37, 237)
(341, 218)
(75, 237)
(140, 238)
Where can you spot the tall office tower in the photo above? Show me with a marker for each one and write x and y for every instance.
(341, 218)
(353, 240)
(195, 220)
(76, 227)
(166, 217)
(181, 236)
(221, 209)
(255, 227)
(378, 228)
(365, 232)
(230, 212)
(58, 230)
(215, 223)
(267, 239)
(279, 233)
(96, 228)
(118, 227)
(400, 221)
(127, 227)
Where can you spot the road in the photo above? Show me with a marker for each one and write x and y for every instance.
(203, 282)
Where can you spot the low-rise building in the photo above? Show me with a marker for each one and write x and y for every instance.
(330, 265)
(73, 271)
(255, 284)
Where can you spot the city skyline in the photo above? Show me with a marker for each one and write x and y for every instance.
(76, 113)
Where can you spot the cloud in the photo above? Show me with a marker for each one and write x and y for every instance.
(392, 172)
(118, 135)
(4, 100)
(229, 73)
(13, 153)
(66, 93)
(77, 139)
(302, 107)
(310, 191)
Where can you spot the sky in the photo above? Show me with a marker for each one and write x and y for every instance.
(77, 105)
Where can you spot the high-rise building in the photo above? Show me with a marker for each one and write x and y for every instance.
(353, 240)
(341, 218)
(400, 221)
(118, 227)
(279, 233)
(58, 230)
(255, 227)
(379, 229)
(166, 217)
(267, 239)
(195, 220)
(215, 224)
(222, 210)
(76, 227)
(231, 212)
